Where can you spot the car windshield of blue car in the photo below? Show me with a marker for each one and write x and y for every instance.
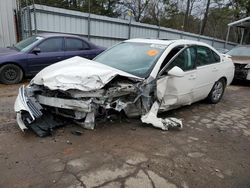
(240, 51)
(26, 44)
(134, 58)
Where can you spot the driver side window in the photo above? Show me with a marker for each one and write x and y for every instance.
(185, 60)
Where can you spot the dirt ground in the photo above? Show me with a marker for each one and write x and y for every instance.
(212, 149)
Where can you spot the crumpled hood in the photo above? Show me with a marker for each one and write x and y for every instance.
(241, 59)
(78, 73)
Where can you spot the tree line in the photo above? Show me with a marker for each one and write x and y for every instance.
(205, 17)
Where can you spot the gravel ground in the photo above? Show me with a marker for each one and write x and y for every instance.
(212, 149)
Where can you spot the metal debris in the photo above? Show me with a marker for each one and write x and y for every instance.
(164, 124)
(77, 133)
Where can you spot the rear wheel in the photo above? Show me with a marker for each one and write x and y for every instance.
(10, 74)
(217, 92)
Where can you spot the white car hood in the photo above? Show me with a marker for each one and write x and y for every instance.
(78, 73)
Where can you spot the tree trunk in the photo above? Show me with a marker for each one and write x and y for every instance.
(205, 18)
(185, 24)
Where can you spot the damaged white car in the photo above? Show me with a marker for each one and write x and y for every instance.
(137, 77)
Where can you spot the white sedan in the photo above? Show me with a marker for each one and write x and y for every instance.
(138, 77)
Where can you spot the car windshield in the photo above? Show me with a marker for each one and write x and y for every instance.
(135, 58)
(26, 44)
(240, 51)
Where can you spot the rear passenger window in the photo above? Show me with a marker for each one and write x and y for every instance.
(205, 56)
(75, 44)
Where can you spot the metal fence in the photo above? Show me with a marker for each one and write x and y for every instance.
(101, 30)
(7, 22)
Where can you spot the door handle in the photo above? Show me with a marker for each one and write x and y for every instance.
(59, 57)
(192, 77)
(214, 70)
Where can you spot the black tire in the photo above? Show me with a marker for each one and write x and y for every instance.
(217, 92)
(10, 74)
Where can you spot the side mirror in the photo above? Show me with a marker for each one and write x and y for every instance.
(176, 71)
(36, 50)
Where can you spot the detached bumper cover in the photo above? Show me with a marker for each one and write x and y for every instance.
(30, 114)
(28, 105)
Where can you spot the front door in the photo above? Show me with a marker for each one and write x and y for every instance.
(51, 51)
(173, 91)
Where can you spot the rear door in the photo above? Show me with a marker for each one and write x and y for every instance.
(78, 47)
(51, 51)
(175, 91)
(208, 65)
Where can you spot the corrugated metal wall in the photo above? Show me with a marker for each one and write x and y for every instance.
(103, 30)
(7, 23)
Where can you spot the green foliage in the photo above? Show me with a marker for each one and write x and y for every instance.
(101, 7)
(166, 13)
(218, 19)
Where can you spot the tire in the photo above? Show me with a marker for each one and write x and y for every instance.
(10, 74)
(217, 92)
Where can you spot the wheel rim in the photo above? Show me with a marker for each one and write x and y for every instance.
(218, 90)
(10, 74)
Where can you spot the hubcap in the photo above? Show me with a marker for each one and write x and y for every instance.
(218, 90)
(10, 74)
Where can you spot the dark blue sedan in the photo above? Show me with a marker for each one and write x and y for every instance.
(31, 55)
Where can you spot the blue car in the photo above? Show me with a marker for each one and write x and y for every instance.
(31, 55)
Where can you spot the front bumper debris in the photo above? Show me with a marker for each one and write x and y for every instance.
(164, 124)
(30, 114)
(25, 102)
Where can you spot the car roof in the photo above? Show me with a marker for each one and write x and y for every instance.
(48, 35)
(168, 42)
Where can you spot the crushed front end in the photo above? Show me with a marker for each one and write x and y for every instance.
(42, 109)
(82, 90)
